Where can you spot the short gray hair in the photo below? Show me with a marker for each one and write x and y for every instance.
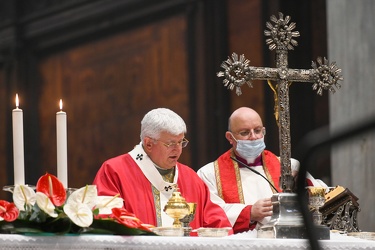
(161, 120)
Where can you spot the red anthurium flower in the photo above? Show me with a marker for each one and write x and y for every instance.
(8, 211)
(126, 218)
(53, 188)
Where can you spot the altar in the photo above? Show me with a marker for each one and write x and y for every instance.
(14, 241)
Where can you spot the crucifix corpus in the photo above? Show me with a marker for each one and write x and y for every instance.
(286, 221)
(323, 75)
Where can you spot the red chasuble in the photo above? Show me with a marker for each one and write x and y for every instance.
(121, 175)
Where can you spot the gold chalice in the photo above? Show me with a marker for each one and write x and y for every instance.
(177, 208)
(188, 218)
(316, 200)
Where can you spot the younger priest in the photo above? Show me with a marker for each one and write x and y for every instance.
(146, 176)
(244, 195)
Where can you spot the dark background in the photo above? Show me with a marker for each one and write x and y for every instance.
(111, 61)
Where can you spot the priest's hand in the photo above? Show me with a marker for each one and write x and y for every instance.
(262, 208)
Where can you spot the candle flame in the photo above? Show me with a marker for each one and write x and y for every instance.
(17, 101)
(61, 105)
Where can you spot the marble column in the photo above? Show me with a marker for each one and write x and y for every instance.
(351, 43)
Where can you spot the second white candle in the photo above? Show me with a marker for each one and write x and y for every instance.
(62, 147)
(18, 150)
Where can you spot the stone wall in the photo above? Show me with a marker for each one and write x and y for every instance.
(351, 43)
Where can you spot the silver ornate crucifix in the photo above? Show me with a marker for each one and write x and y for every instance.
(323, 75)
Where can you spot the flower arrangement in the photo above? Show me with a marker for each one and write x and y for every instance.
(49, 210)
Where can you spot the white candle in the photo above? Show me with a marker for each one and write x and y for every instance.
(18, 157)
(61, 139)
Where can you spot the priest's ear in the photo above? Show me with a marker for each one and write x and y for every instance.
(229, 137)
(148, 142)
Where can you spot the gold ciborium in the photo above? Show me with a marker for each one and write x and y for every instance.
(316, 200)
(177, 208)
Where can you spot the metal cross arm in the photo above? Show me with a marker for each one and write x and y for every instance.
(274, 74)
(323, 76)
(238, 72)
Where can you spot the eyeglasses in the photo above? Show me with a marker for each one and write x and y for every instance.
(182, 143)
(257, 132)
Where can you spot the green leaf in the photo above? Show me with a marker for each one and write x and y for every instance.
(65, 226)
(111, 227)
(60, 225)
(19, 226)
(37, 215)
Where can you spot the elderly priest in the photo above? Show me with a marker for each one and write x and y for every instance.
(147, 176)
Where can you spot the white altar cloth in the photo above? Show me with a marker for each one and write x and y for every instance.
(233, 242)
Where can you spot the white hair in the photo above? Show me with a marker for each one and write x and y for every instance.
(161, 120)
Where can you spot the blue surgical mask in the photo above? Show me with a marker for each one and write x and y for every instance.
(250, 150)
